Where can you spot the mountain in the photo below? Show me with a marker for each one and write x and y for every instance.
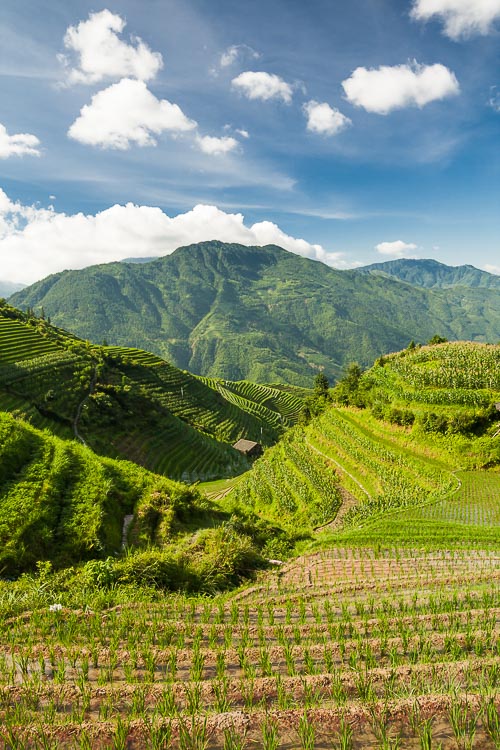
(258, 313)
(126, 403)
(9, 287)
(431, 274)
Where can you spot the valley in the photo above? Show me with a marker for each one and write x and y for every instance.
(340, 591)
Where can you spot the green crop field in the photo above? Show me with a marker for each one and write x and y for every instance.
(342, 593)
(127, 403)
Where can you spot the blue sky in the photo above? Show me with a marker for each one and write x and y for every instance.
(348, 132)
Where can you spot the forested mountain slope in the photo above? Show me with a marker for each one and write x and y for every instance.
(432, 274)
(259, 313)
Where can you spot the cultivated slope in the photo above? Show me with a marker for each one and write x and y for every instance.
(263, 314)
(130, 404)
(426, 414)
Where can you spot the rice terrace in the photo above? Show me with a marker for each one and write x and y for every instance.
(249, 375)
(341, 591)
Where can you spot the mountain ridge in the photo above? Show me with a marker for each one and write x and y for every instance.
(431, 274)
(258, 313)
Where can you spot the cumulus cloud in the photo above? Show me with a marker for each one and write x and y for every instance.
(323, 119)
(125, 113)
(396, 249)
(19, 144)
(461, 18)
(101, 54)
(386, 88)
(261, 85)
(492, 269)
(236, 52)
(35, 242)
(216, 146)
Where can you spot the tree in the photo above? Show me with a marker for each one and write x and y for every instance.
(321, 385)
(437, 340)
(347, 390)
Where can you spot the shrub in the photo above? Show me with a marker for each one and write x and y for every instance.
(222, 558)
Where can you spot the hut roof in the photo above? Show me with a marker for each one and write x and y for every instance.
(245, 445)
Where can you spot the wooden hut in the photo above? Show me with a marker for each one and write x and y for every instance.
(248, 447)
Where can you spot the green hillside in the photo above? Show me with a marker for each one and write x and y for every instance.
(411, 427)
(432, 274)
(61, 502)
(262, 314)
(129, 404)
(382, 631)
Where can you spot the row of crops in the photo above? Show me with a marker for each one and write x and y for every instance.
(345, 648)
(291, 485)
(19, 341)
(462, 365)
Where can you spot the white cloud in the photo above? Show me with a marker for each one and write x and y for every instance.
(125, 113)
(461, 18)
(19, 144)
(236, 52)
(216, 146)
(261, 85)
(397, 248)
(243, 133)
(494, 100)
(35, 242)
(386, 88)
(321, 118)
(102, 54)
(492, 269)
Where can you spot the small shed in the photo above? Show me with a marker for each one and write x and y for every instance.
(248, 447)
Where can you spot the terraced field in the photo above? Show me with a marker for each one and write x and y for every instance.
(130, 404)
(18, 342)
(342, 648)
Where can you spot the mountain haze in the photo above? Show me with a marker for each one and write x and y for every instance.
(257, 313)
(9, 287)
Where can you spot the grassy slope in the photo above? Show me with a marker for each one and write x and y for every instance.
(257, 313)
(133, 404)
(60, 501)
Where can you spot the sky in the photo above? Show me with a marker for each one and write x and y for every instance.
(348, 132)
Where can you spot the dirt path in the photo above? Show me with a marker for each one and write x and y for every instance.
(329, 458)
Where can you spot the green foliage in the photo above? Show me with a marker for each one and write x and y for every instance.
(436, 339)
(61, 502)
(131, 404)
(350, 390)
(263, 314)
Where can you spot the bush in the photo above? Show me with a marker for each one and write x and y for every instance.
(221, 558)
(403, 417)
(156, 569)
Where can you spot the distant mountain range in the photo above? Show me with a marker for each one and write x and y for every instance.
(9, 287)
(431, 274)
(264, 314)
